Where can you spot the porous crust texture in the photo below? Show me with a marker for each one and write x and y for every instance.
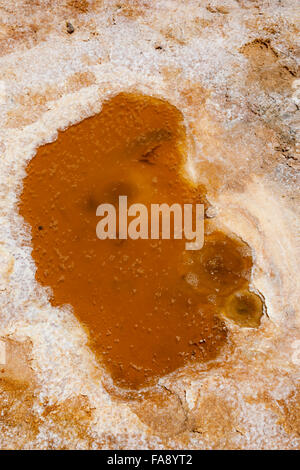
(231, 68)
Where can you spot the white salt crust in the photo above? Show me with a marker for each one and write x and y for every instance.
(263, 213)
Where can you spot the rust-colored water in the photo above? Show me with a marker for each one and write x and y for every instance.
(149, 306)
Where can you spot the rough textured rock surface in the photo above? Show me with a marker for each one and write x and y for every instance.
(231, 68)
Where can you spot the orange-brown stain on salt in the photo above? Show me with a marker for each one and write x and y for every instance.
(81, 6)
(150, 307)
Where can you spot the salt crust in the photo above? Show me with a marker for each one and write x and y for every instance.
(123, 57)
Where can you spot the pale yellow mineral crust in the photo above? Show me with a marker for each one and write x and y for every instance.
(231, 68)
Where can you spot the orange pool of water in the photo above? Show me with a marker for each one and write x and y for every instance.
(149, 306)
